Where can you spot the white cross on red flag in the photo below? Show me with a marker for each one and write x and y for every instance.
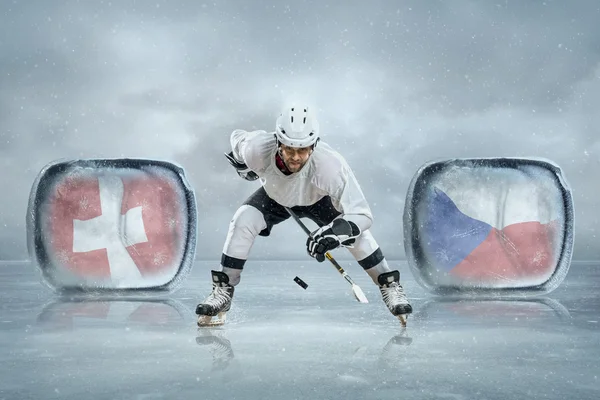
(114, 227)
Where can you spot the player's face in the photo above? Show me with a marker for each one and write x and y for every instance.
(294, 157)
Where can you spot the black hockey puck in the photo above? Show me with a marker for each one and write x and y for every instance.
(301, 283)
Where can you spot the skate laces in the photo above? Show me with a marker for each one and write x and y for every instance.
(218, 297)
(394, 294)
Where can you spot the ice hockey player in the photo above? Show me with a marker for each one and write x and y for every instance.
(299, 171)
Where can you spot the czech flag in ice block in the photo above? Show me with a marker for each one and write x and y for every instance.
(112, 224)
(491, 223)
(472, 248)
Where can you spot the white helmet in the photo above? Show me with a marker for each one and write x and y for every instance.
(297, 127)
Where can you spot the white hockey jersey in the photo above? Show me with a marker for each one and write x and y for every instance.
(325, 174)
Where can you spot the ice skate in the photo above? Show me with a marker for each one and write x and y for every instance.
(393, 295)
(217, 303)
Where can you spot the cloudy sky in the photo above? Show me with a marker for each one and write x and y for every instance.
(396, 84)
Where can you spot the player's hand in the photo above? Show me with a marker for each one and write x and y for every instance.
(241, 168)
(338, 233)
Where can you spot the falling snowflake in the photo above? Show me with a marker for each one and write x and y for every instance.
(442, 255)
(172, 223)
(145, 203)
(84, 203)
(159, 258)
(63, 257)
(539, 257)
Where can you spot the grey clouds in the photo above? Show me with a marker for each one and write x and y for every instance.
(396, 84)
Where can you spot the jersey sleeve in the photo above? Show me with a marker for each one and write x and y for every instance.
(251, 148)
(346, 194)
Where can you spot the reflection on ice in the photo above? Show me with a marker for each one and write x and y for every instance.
(69, 314)
(283, 343)
(218, 345)
(490, 310)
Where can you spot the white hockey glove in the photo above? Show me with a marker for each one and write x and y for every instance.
(338, 233)
(241, 168)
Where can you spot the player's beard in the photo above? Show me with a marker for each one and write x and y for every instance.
(294, 167)
(290, 165)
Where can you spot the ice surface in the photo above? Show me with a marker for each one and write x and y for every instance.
(112, 224)
(284, 342)
(501, 225)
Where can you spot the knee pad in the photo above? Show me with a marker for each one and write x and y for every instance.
(366, 250)
(246, 224)
(248, 219)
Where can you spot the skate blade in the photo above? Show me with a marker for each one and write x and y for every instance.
(207, 320)
(403, 318)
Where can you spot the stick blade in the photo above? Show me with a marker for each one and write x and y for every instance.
(359, 294)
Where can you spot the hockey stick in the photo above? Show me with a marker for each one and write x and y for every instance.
(358, 293)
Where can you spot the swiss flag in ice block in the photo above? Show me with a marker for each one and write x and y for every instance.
(112, 224)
